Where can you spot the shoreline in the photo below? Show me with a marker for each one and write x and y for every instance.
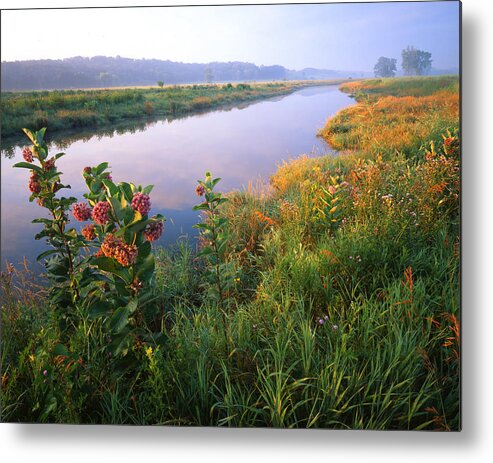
(100, 108)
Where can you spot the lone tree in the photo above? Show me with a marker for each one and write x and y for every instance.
(385, 67)
(415, 62)
(160, 83)
(208, 75)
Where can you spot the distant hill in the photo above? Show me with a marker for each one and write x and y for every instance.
(102, 71)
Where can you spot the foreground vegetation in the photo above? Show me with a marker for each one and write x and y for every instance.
(75, 109)
(330, 300)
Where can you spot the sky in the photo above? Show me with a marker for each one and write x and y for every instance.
(349, 36)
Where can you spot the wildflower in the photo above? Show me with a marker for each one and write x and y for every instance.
(45, 372)
(108, 246)
(81, 212)
(88, 232)
(34, 185)
(200, 190)
(108, 176)
(116, 248)
(332, 190)
(321, 321)
(49, 164)
(27, 154)
(153, 231)
(100, 213)
(126, 254)
(335, 327)
(87, 170)
(264, 218)
(141, 203)
(326, 317)
(148, 352)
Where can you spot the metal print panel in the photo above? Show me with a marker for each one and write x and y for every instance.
(241, 216)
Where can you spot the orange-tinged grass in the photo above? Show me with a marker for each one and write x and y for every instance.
(388, 124)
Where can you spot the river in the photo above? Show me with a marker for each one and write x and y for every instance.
(243, 145)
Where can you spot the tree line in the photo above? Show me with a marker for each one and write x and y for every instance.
(102, 71)
(414, 63)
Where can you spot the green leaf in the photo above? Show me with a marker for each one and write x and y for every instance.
(146, 269)
(57, 268)
(47, 222)
(120, 344)
(40, 135)
(42, 234)
(126, 190)
(205, 252)
(117, 208)
(202, 225)
(48, 253)
(107, 264)
(128, 215)
(28, 165)
(201, 207)
(147, 189)
(119, 320)
(95, 186)
(132, 305)
(112, 189)
(100, 168)
(98, 308)
(144, 249)
(59, 155)
(30, 135)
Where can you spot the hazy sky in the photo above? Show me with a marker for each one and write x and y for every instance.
(349, 36)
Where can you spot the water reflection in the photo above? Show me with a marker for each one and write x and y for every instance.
(240, 145)
(61, 140)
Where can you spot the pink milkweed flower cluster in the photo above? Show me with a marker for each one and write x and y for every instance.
(141, 203)
(89, 232)
(49, 164)
(81, 212)
(34, 185)
(153, 231)
(200, 190)
(101, 213)
(27, 154)
(125, 254)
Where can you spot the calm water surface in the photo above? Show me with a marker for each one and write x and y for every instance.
(241, 145)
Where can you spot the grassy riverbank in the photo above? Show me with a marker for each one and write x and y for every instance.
(343, 304)
(75, 109)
